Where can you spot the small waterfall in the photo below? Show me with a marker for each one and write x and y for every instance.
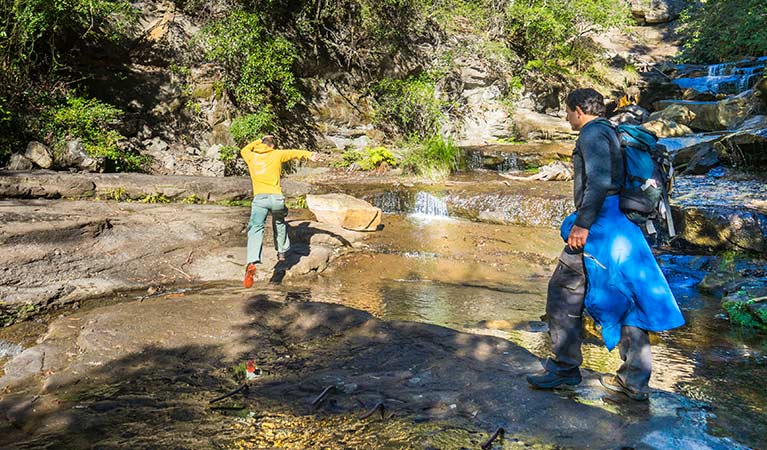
(8, 349)
(720, 70)
(476, 159)
(392, 202)
(725, 78)
(746, 75)
(511, 162)
(427, 204)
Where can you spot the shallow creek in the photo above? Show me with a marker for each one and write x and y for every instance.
(491, 279)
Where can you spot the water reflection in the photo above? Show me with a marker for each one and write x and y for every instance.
(438, 273)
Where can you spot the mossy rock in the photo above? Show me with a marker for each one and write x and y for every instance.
(748, 307)
(10, 314)
(721, 283)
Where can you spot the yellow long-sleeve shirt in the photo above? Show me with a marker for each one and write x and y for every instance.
(265, 165)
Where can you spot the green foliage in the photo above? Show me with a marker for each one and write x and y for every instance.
(228, 153)
(740, 314)
(117, 194)
(192, 200)
(89, 120)
(250, 127)
(242, 202)
(157, 197)
(551, 34)
(409, 107)
(12, 313)
(371, 158)
(727, 262)
(434, 158)
(297, 203)
(721, 30)
(31, 29)
(348, 158)
(375, 157)
(460, 15)
(257, 63)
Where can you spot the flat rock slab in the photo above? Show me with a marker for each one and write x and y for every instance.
(50, 184)
(59, 252)
(141, 375)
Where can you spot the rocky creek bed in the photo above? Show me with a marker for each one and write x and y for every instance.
(142, 374)
(444, 325)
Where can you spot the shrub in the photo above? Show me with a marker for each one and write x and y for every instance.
(409, 107)
(297, 202)
(157, 197)
(434, 158)
(233, 165)
(257, 64)
(31, 30)
(250, 127)
(89, 120)
(709, 39)
(551, 34)
(371, 158)
(375, 157)
(348, 158)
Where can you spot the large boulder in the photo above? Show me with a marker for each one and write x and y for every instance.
(74, 156)
(693, 154)
(531, 125)
(667, 128)
(722, 228)
(344, 211)
(725, 114)
(746, 148)
(676, 113)
(39, 154)
(656, 11)
(19, 162)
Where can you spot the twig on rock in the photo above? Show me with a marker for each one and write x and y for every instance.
(323, 394)
(380, 406)
(489, 443)
(243, 387)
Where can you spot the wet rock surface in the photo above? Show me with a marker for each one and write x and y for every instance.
(721, 214)
(123, 186)
(102, 378)
(56, 253)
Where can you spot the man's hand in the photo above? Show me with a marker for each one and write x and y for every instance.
(577, 238)
(315, 156)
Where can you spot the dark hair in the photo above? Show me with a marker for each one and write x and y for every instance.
(268, 139)
(590, 101)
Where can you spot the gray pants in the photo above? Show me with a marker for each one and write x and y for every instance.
(564, 309)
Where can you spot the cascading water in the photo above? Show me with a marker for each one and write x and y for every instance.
(427, 204)
(500, 161)
(719, 70)
(725, 78)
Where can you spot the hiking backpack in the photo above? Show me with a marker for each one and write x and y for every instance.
(649, 178)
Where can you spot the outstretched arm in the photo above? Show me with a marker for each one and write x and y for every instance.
(287, 155)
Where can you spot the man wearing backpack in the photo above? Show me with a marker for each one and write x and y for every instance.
(606, 266)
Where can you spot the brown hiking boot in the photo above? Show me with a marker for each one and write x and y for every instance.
(250, 273)
(613, 383)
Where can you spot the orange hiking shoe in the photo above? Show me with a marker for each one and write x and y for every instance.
(250, 273)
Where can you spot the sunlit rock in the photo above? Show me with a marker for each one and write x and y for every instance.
(344, 211)
(667, 128)
(39, 154)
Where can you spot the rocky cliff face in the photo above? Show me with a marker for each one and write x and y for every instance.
(178, 110)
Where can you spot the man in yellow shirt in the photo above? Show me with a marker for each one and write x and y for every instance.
(265, 167)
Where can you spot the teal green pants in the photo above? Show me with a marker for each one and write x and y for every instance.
(262, 205)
